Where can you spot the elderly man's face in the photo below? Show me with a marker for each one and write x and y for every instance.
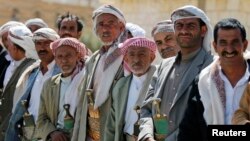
(68, 28)
(66, 58)
(166, 44)
(139, 59)
(43, 50)
(108, 28)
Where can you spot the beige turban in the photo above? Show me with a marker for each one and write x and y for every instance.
(45, 33)
(36, 21)
(163, 26)
(190, 11)
(22, 36)
(109, 9)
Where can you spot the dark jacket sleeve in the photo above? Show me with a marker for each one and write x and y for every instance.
(193, 126)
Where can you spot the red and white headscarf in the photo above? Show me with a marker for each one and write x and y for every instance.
(69, 41)
(137, 42)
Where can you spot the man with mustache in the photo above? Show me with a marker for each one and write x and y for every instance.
(130, 91)
(163, 34)
(171, 87)
(36, 76)
(222, 84)
(70, 25)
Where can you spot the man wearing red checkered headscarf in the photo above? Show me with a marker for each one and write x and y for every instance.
(130, 91)
(60, 94)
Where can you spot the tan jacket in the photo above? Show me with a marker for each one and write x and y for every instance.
(49, 107)
(242, 115)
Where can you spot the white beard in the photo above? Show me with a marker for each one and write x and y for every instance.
(107, 43)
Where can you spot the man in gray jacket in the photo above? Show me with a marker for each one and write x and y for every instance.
(176, 75)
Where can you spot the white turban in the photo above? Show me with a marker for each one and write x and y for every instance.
(5, 28)
(109, 9)
(163, 26)
(135, 30)
(190, 11)
(22, 36)
(45, 33)
(36, 21)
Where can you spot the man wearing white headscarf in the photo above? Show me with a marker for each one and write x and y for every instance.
(31, 82)
(163, 34)
(22, 50)
(102, 71)
(172, 91)
(4, 29)
(35, 23)
(4, 56)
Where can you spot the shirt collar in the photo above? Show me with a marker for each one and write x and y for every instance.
(17, 63)
(66, 79)
(244, 78)
(139, 80)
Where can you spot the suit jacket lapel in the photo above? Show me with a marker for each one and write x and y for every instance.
(190, 75)
(124, 93)
(164, 76)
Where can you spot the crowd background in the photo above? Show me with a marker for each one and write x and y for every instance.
(145, 13)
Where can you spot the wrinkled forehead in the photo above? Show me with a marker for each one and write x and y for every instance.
(106, 17)
(192, 20)
(134, 49)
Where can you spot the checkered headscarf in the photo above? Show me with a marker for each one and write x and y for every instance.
(69, 41)
(137, 42)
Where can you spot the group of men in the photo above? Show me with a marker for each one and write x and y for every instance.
(54, 88)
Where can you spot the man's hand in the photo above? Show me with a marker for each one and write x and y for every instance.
(58, 136)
